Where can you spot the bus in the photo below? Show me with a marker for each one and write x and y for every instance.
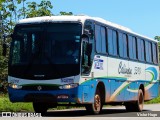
(81, 60)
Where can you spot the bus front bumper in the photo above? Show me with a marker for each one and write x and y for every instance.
(69, 95)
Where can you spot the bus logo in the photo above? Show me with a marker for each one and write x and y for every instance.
(39, 88)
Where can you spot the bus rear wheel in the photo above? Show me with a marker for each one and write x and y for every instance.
(138, 105)
(96, 107)
(40, 107)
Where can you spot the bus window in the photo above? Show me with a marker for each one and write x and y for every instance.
(142, 50)
(100, 39)
(120, 42)
(134, 48)
(103, 38)
(130, 45)
(154, 52)
(148, 52)
(125, 46)
(139, 49)
(112, 42)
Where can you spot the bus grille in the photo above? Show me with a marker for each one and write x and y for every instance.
(40, 88)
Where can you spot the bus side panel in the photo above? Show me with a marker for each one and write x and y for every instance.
(117, 74)
(152, 92)
(136, 79)
(151, 87)
(129, 96)
(87, 91)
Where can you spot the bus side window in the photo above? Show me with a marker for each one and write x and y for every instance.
(154, 53)
(148, 52)
(100, 34)
(112, 42)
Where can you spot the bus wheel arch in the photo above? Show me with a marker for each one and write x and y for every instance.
(102, 91)
(99, 99)
(137, 106)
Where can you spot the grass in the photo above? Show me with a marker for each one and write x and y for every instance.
(153, 101)
(7, 106)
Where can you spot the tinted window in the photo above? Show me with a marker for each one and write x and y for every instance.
(142, 50)
(112, 42)
(140, 43)
(148, 51)
(154, 50)
(103, 38)
(100, 39)
(139, 49)
(120, 42)
(123, 45)
(132, 47)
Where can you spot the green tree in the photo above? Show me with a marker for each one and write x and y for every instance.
(9, 15)
(157, 38)
(13, 10)
(37, 10)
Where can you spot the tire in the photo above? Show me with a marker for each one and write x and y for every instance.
(40, 108)
(140, 101)
(129, 107)
(96, 107)
(138, 105)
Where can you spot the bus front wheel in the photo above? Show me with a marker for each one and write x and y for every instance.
(96, 107)
(40, 107)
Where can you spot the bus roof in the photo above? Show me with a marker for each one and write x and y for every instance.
(80, 18)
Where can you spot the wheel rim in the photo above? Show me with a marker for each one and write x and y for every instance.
(140, 101)
(97, 104)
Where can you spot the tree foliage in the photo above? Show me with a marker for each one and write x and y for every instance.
(37, 10)
(157, 38)
(13, 10)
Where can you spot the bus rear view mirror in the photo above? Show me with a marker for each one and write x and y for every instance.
(89, 49)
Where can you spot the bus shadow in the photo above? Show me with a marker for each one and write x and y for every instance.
(80, 113)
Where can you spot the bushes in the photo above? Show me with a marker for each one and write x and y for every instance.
(3, 72)
(7, 106)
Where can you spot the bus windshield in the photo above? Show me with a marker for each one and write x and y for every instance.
(51, 45)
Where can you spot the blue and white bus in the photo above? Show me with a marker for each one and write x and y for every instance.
(81, 60)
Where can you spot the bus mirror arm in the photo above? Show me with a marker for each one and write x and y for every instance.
(89, 49)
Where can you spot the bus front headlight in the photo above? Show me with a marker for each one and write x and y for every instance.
(15, 86)
(69, 86)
